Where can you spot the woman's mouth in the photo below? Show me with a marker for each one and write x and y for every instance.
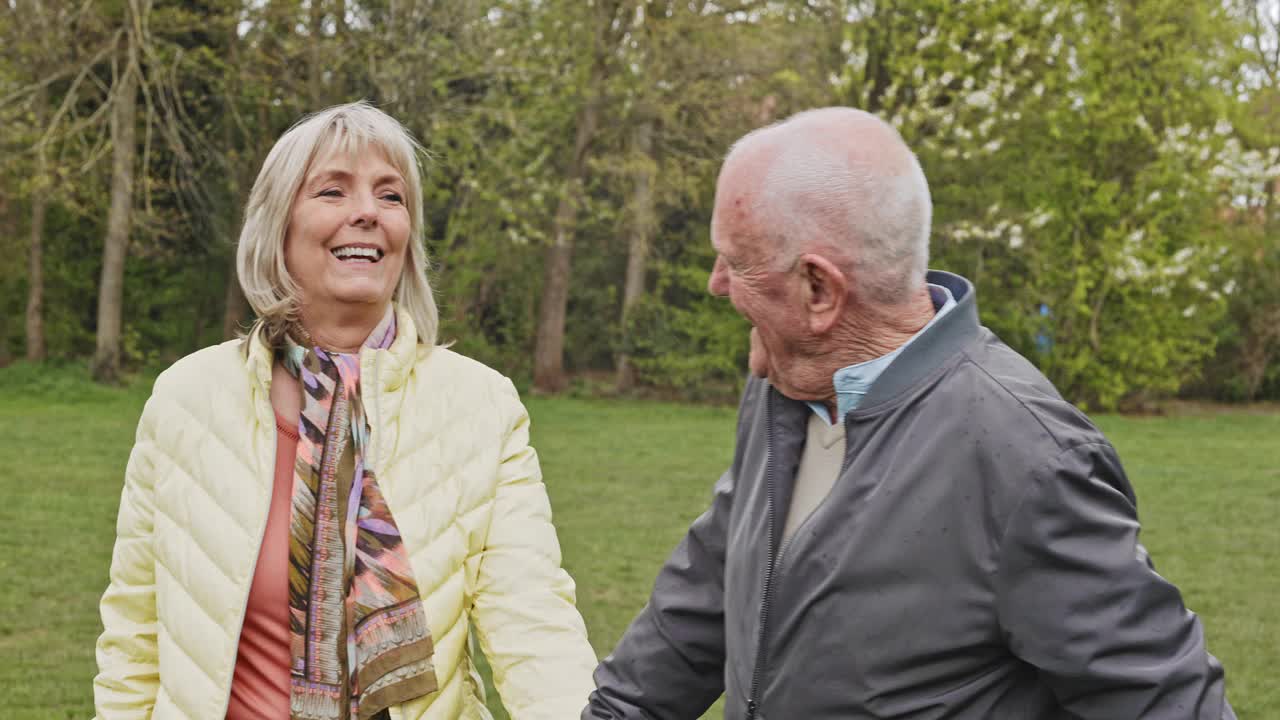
(357, 253)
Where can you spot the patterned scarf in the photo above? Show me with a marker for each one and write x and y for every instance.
(359, 636)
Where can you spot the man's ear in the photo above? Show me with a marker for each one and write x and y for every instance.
(825, 291)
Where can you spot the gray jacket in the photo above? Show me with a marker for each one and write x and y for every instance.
(978, 557)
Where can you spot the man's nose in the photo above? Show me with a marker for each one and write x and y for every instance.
(718, 283)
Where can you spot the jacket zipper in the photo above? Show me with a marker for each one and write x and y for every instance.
(753, 701)
(775, 561)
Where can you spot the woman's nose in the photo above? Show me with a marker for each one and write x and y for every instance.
(365, 213)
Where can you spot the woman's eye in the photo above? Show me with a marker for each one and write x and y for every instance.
(393, 197)
(331, 192)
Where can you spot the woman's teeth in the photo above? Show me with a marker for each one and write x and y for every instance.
(362, 254)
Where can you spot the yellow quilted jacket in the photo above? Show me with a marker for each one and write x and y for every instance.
(450, 446)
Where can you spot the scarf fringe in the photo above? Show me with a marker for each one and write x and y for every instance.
(312, 701)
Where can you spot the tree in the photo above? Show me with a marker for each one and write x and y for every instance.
(607, 21)
(36, 350)
(639, 236)
(48, 119)
(700, 75)
(1245, 364)
(124, 107)
(1106, 208)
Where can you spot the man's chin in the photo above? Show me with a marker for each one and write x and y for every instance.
(758, 357)
(758, 364)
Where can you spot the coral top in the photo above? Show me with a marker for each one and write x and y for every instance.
(260, 686)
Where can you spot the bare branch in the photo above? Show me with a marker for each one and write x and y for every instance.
(70, 96)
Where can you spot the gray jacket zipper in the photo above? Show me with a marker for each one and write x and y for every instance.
(753, 702)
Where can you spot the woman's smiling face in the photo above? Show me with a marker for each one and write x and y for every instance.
(348, 233)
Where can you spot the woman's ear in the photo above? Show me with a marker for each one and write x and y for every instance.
(825, 291)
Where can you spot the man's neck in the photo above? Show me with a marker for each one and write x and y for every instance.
(870, 333)
(873, 332)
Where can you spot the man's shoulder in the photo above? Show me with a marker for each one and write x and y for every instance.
(999, 389)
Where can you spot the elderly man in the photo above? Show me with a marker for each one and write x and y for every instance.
(915, 525)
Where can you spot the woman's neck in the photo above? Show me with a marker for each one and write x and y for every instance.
(343, 329)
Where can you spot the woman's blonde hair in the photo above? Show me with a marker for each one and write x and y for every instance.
(350, 129)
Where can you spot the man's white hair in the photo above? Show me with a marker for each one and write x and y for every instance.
(350, 129)
(842, 180)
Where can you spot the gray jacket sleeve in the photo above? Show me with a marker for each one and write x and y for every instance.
(670, 662)
(1079, 599)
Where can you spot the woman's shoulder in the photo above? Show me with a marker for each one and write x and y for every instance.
(207, 386)
(215, 369)
(441, 366)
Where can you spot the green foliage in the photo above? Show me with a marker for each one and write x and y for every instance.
(1099, 207)
(683, 338)
(1246, 366)
(1076, 151)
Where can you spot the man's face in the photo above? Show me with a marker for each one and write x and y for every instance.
(746, 271)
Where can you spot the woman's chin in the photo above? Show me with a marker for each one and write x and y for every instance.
(361, 294)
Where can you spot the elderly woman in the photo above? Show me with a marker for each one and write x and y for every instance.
(315, 517)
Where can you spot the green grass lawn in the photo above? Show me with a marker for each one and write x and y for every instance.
(625, 479)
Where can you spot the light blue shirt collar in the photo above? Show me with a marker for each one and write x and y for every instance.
(852, 383)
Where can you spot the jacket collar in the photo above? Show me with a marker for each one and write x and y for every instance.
(935, 346)
(926, 353)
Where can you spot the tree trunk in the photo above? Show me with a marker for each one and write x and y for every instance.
(8, 229)
(6, 355)
(642, 222)
(314, 56)
(106, 360)
(548, 352)
(235, 307)
(36, 350)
